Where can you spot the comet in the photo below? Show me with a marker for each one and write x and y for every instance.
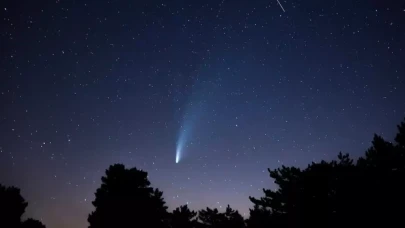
(179, 149)
(192, 113)
(189, 121)
(181, 142)
(178, 152)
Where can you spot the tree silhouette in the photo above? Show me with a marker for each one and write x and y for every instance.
(318, 195)
(233, 218)
(338, 193)
(125, 199)
(32, 223)
(383, 171)
(12, 207)
(400, 137)
(261, 216)
(182, 217)
(212, 218)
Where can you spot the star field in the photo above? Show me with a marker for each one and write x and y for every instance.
(257, 84)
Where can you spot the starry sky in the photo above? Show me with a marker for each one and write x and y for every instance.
(240, 85)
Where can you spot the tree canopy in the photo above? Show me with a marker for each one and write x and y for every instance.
(339, 192)
(183, 217)
(32, 223)
(126, 199)
(214, 219)
(12, 207)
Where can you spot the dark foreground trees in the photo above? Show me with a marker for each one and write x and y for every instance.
(32, 223)
(12, 207)
(212, 218)
(183, 217)
(126, 199)
(310, 197)
(368, 192)
(339, 193)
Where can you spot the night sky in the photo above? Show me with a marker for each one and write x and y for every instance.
(232, 86)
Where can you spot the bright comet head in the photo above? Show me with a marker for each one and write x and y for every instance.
(177, 156)
(179, 148)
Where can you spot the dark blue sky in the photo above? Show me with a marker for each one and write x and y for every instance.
(85, 84)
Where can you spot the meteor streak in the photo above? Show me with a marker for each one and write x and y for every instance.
(281, 5)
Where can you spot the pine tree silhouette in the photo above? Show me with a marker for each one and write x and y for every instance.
(338, 193)
(233, 218)
(212, 218)
(125, 199)
(12, 207)
(183, 217)
(32, 223)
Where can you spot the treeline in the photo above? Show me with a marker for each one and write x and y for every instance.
(12, 207)
(340, 193)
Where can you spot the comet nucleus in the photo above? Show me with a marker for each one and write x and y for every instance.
(180, 145)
